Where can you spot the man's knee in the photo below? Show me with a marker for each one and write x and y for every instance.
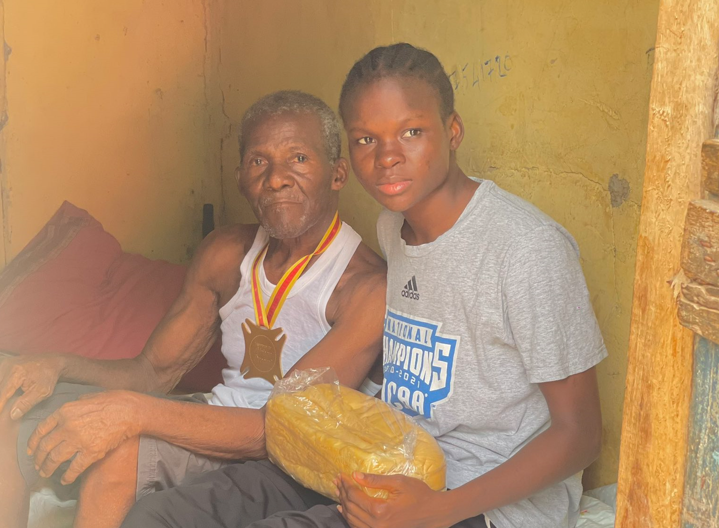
(13, 455)
(8, 427)
(14, 434)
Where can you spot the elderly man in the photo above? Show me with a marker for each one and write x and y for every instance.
(298, 291)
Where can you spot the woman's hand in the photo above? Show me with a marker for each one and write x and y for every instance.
(411, 503)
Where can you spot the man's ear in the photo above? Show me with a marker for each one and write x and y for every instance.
(456, 130)
(340, 174)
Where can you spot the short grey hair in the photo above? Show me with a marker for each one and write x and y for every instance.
(294, 102)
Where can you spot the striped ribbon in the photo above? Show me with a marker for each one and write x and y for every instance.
(266, 316)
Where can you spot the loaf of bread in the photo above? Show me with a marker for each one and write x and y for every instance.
(323, 430)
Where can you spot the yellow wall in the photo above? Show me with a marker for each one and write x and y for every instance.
(277, 45)
(112, 106)
(561, 120)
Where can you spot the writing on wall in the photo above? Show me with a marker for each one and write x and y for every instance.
(472, 75)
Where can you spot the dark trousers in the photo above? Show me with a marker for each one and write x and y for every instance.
(250, 494)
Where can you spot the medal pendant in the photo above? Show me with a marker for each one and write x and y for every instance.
(263, 352)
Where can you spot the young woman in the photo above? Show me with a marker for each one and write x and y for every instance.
(490, 339)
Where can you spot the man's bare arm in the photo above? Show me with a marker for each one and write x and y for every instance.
(356, 311)
(569, 445)
(350, 348)
(181, 339)
(85, 430)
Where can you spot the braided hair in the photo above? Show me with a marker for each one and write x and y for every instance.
(398, 60)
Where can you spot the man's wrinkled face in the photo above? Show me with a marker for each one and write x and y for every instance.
(286, 174)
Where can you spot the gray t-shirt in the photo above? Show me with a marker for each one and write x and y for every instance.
(474, 321)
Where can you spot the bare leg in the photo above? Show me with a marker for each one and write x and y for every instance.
(108, 488)
(14, 495)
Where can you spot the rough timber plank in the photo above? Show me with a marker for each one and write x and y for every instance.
(698, 309)
(700, 250)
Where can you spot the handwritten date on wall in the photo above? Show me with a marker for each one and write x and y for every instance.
(474, 74)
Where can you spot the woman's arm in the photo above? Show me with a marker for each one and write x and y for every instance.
(568, 446)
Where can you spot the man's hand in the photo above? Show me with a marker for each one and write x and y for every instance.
(86, 429)
(411, 503)
(35, 376)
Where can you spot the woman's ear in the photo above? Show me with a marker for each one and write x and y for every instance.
(340, 174)
(456, 130)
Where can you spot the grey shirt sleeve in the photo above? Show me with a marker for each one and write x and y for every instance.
(384, 231)
(548, 312)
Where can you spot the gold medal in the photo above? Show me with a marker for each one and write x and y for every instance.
(263, 348)
(263, 344)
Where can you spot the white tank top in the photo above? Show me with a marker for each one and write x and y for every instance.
(302, 317)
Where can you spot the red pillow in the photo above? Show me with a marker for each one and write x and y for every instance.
(72, 290)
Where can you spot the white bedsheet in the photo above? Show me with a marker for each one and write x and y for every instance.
(47, 511)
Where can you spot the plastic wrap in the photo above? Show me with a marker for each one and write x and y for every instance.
(316, 429)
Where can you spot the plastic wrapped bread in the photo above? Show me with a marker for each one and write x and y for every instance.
(316, 429)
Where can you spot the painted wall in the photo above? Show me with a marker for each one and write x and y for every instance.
(554, 96)
(277, 45)
(112, 107)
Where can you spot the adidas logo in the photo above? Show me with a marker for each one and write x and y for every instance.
(410, 289)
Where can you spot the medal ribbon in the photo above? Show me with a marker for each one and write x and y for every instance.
(266, 316)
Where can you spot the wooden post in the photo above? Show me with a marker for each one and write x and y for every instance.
(659, 374)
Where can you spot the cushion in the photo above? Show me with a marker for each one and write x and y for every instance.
(315, 430)
(72, 290)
